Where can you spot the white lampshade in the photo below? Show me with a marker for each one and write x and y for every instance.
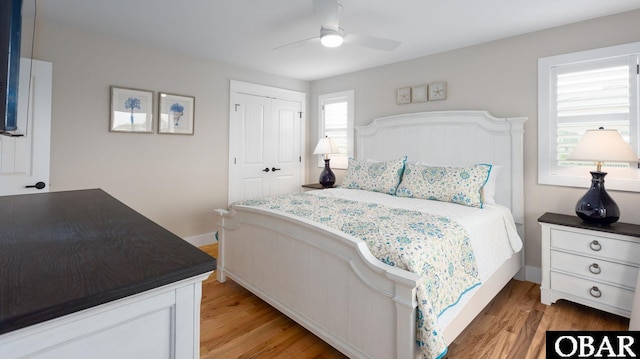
(597, 206)
(325, 146)
(602, 146)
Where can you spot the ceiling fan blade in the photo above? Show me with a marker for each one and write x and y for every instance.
(372, 42)
(328, 13)
(300, 43)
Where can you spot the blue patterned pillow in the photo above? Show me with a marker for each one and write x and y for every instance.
(460, 185)
(374, 176)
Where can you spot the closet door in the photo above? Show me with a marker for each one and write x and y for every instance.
(265, 146)
(252, 132)
(286, 155)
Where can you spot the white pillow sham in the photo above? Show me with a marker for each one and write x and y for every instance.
(489, 189)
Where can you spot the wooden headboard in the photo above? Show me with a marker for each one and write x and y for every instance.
(453, 138)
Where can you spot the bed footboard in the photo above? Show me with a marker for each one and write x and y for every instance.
(329, 284)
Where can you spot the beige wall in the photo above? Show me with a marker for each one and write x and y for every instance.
(177, 181)
(500, 77)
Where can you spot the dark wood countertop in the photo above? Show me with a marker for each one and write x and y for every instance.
(63, 252)
(626, 229)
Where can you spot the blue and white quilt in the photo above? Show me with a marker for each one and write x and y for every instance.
(433, 246)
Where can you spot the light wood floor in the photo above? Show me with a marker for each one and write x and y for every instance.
(237, 324)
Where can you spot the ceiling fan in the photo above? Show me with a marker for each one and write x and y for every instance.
(332, 35)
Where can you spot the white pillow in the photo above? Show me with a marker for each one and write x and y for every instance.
(489, 189)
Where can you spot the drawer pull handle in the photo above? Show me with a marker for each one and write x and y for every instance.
(595, 268)
(595, 246)
(595, 292)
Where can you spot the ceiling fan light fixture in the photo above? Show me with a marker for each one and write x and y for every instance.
(331, 38)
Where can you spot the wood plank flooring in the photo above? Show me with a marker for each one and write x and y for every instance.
(237, 324)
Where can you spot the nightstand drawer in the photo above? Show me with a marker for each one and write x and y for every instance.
(593, 291)
(596, 246)
(593, 268)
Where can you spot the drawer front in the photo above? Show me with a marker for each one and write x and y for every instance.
(583, 288)
(597, 269)
(596, 246)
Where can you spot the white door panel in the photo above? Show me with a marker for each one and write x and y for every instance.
(265, 144)
(287, 158)
(284, 184)
(288, 131)
(249, 122)
(24, 160)
(252, 187)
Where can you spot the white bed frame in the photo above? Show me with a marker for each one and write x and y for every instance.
(332, 285)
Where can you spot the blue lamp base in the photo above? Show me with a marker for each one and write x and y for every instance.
(327, 178)
(596, 206)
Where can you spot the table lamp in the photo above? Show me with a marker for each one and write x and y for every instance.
(326, 147)
(600, 146)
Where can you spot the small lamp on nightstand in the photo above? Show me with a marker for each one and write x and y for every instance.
(600, 146)
(326, 147)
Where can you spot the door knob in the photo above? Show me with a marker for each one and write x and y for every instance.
(266, 169)
(275, 169)
(39, 185)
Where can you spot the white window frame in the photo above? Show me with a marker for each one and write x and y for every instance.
(624, 179)
(339, 161)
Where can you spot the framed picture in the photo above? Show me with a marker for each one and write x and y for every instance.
(131, 110)
(419, 93)
(176, 114)
(437, 91)
(403, 95)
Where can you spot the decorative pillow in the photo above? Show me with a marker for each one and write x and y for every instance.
(460, 185)
(489, 189)
(374, 176)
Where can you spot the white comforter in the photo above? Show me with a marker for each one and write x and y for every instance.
(491, 229)
(490, 233)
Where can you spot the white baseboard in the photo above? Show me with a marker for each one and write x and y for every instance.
(202, 239)
(533, 274)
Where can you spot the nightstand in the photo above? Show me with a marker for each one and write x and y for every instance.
(315, 186)
(587, 264)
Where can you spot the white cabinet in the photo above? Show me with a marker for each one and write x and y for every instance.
(160, 323)
(85, 276)
(590, 265)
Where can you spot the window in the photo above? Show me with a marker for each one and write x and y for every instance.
(336, 120)
(587, 90)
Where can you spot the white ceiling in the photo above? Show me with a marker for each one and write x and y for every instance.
(244, 32)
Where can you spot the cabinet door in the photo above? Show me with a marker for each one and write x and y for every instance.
(634, 322)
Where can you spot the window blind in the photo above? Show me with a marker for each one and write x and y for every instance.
(335, 124)
(594, 94)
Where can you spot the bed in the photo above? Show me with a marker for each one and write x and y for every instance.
(332, 284)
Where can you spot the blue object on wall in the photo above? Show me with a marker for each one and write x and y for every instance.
(10, 30)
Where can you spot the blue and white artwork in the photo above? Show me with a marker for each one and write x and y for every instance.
(131, 110)
(176, 114)
(132, 103)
